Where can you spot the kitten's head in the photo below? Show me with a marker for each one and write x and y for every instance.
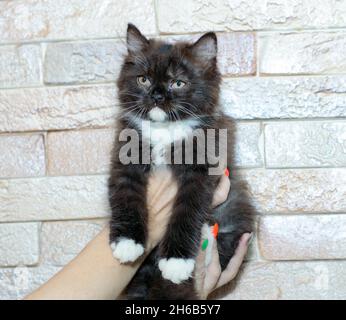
(169, 82)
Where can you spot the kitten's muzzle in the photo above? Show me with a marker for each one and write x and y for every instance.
(157, 96)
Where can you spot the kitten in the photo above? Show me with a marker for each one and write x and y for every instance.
(171, 88)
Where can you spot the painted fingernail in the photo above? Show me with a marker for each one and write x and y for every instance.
(215, 230)
(205, 244)
(227, 172)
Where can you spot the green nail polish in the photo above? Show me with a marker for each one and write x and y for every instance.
(205, 244)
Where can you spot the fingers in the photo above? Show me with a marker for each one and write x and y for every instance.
(210, 278)
(200, 272)
(234, 264)
(222, 190)
(213, 271)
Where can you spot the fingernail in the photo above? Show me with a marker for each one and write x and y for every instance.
(205, 244)
(249, 240)
(227, 172)
(215, 230)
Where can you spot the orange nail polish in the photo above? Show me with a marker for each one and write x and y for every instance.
(215, 230)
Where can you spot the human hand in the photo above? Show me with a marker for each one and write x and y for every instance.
(161, 194)
(209, 278)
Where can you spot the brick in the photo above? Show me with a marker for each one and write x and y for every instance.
(53, 198)
(303, 53)
(252, 253)
(22, 156)
(15, 283)
(62, 241)
(56, 108)
(303, 237)
(204, 15)
(20, 66)
(47, 19)
(237, 53)
(305, 144)
(249, 145)
(290, 97)
(296, 190)
(79, 152)
(273, 191)
(82, 62)
(290, 281)
(19, 244)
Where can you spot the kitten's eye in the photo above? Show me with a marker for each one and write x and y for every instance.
(178, 84)
(143, 81)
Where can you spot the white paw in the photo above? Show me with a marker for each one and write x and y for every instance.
(176, 270)
(126, 250)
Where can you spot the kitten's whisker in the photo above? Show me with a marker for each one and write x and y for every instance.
(186, 111)
(196, 108)
(126, 104)
(170, 115)
(176, 115)
(188, 104)
(130, 111)
(139, 109)
(190, 113)
(129, 95)
(133, 106)
(140, 113)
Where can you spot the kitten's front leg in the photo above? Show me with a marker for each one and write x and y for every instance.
(181, 243)
(127, 196)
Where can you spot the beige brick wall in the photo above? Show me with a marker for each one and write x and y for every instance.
(284, 68)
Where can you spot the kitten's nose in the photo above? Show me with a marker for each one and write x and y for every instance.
(157, 96)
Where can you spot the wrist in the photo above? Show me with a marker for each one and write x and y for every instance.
(151, 244)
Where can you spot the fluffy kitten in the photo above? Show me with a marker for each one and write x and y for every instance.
(171, 88)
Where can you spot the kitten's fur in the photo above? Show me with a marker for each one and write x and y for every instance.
(162, 63)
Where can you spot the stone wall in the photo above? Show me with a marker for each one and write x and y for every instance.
(284, 68)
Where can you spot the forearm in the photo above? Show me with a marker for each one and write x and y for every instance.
(93, 274)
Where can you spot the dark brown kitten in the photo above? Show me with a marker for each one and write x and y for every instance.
(171, 88)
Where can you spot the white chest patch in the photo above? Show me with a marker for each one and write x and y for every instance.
(162, 134)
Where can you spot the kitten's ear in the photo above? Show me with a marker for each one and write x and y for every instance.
(205, 48)
(135, 40)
